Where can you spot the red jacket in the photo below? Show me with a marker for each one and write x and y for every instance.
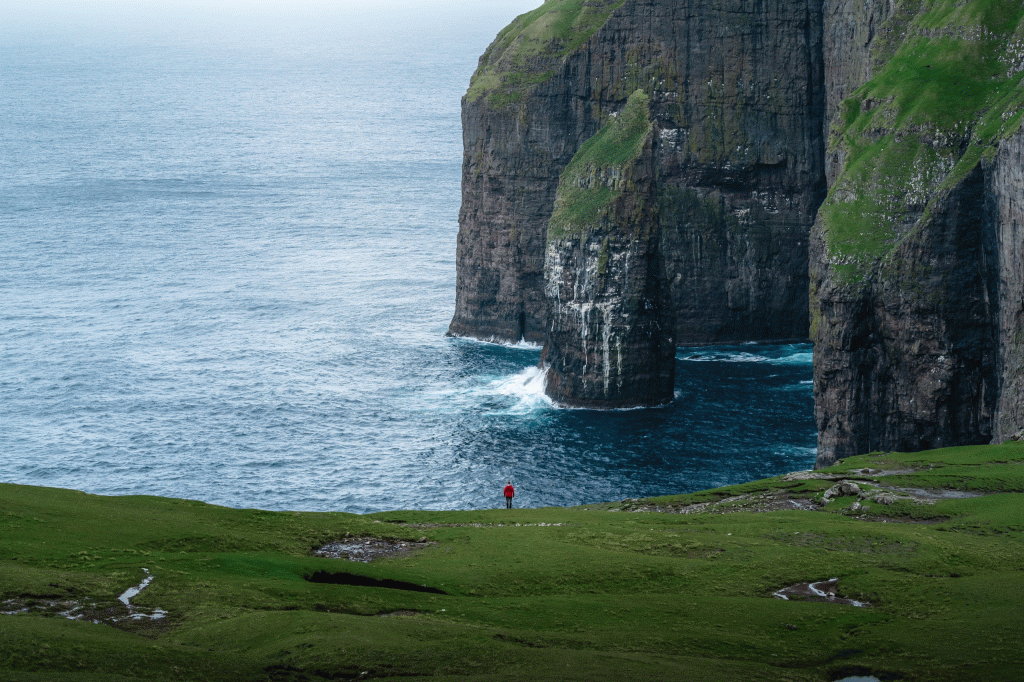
(510, 491)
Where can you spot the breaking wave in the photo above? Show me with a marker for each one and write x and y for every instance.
(526, 388)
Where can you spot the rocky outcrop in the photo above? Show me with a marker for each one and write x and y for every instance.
(908, 113)
(736, 99)
(610, 342)
(915, 272)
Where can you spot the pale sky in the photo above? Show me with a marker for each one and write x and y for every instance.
(36, 11)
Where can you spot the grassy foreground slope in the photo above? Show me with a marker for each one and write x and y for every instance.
(674, 588)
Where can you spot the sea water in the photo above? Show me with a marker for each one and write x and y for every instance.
(227, 264)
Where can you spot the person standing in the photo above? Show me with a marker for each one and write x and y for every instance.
(510, 492)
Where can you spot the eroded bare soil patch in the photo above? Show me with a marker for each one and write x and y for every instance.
(121, 614)
(824, 590)
(366, 550)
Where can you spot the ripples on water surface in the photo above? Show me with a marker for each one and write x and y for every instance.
(227, 269)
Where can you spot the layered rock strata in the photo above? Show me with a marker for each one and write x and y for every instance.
(610, 341)
(736, 98)
(915, 265)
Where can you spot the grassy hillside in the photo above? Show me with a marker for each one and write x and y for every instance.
(597, 174)
(946, 90)
(673, 588)
(525, 52)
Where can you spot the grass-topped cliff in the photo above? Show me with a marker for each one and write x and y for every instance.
(522, 55)
(599, 172)
(946, 90)
(672, 588)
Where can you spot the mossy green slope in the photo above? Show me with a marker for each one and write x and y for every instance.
(602, 592)
(524, 53)
(947, 88)
(597, 174)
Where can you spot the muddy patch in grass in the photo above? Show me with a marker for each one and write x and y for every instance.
(366, 550)
(823, 590)
(121, 614)
(327, 578)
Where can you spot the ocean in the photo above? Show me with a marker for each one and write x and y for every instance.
(227, 264)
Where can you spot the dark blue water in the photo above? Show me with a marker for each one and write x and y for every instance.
(227, 266)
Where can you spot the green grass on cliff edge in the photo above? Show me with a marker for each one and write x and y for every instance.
(526, 51)
(631, 590)
(947, 88)
(593, 178)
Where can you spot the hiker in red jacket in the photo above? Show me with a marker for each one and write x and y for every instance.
(510, 492)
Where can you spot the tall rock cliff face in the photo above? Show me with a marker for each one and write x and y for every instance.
(736, 99)
(610, 341)
(523, 119)
(849, 30)
(907, 111)
(915, 265)
(1007, 192)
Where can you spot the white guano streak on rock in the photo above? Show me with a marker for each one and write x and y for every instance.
(606, 335)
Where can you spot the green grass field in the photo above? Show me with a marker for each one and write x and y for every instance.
(633, 590)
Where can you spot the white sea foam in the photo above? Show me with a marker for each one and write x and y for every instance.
(794, 359)
(521, 343)
(527, 387)
(720, 356)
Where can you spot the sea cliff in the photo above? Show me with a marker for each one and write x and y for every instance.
(736, 104)
(915, 267)
(839, 170)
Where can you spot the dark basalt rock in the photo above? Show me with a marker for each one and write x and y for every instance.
(1005, 185)
(916, 266)
(916, 273)
(906, 361)
(610, 343)
(736, 97)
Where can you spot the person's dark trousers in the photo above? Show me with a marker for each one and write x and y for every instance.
(508, 503)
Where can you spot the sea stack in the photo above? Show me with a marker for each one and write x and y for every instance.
(735, 99)
(848, 171)
(611, 341)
